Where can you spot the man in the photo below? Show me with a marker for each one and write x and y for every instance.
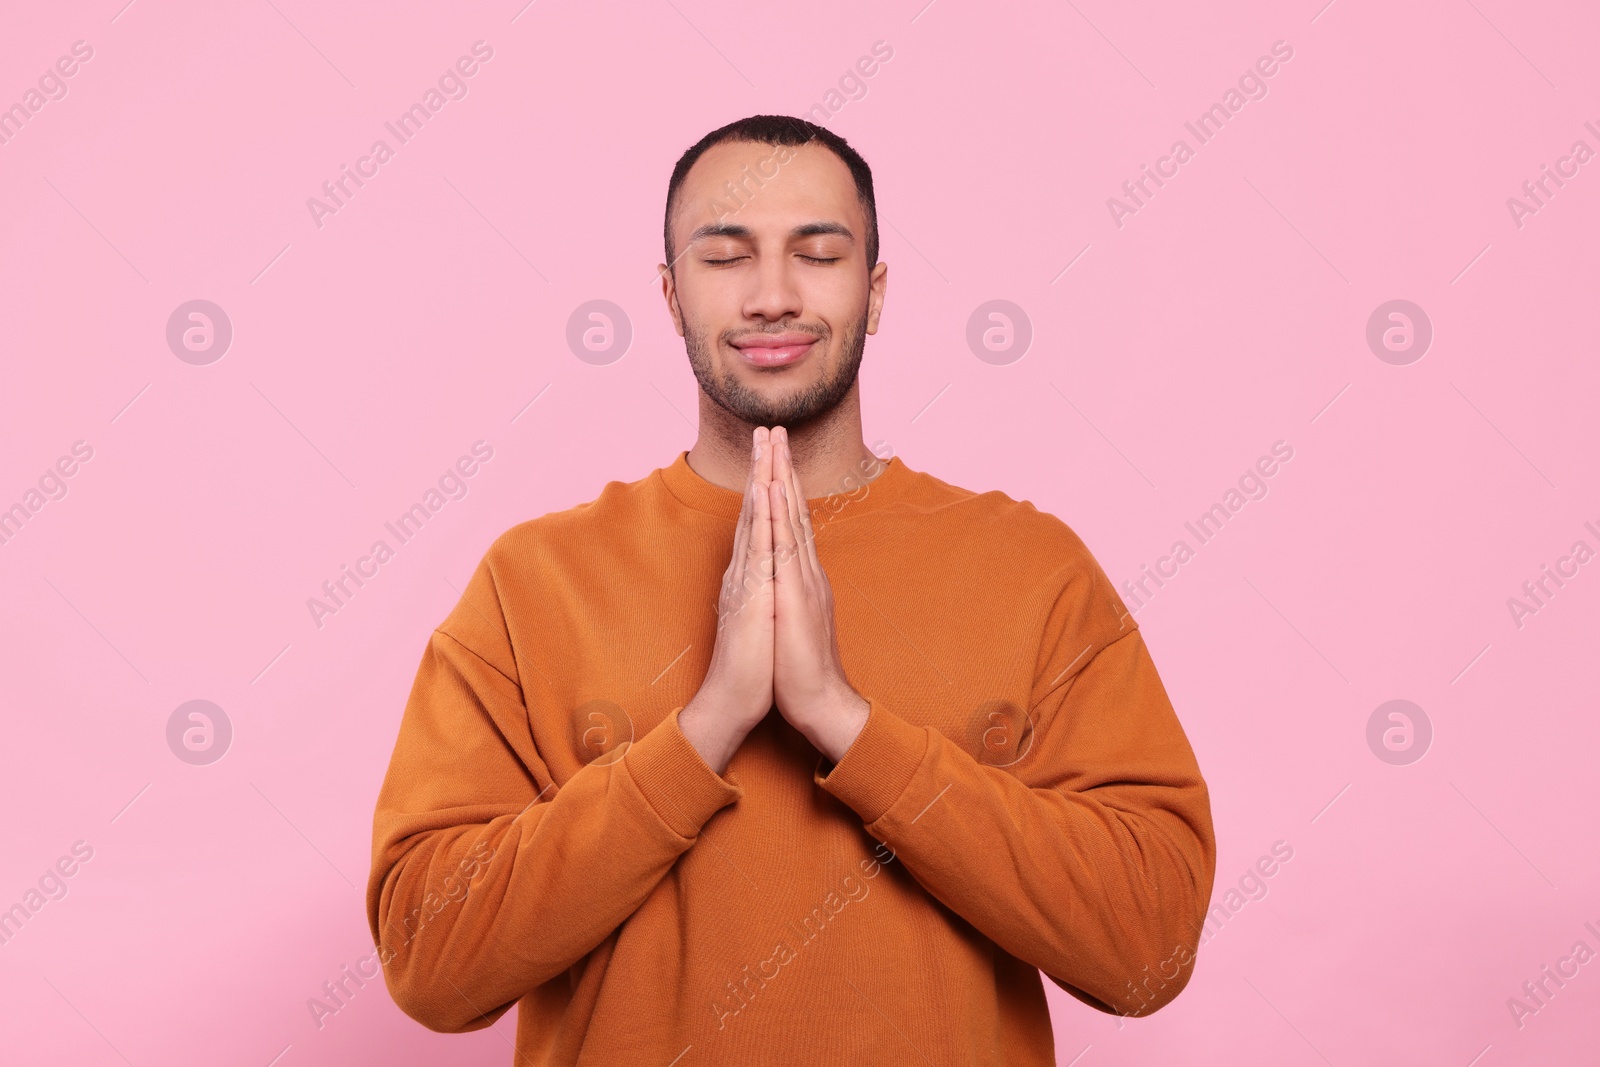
(786, 754)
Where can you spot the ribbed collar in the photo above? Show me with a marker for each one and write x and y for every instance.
(693, 491)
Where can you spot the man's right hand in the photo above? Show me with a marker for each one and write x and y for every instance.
(737, 691)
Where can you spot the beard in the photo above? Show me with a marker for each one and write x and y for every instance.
(793, 409)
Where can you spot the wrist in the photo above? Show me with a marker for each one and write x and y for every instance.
(715, 736)
(838, 728)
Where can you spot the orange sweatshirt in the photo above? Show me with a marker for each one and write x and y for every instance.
(1022, 797)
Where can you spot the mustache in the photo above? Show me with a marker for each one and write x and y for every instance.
(818, 333)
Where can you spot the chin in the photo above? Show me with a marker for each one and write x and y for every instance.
(767, 408)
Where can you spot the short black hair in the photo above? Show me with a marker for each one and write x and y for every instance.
(779, 130)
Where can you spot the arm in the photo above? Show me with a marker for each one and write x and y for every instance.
(488, 878)
(1091, 857)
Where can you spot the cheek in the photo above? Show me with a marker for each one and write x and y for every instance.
(699, 333)
(709, 316)
(835, 317)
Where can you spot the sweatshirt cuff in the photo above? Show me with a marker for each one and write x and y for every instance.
(682, 788)
(879, 764)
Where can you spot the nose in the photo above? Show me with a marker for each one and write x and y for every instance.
(775, 295)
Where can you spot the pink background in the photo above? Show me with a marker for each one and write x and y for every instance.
(1229, 313)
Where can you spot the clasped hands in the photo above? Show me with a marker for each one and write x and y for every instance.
(775, 642)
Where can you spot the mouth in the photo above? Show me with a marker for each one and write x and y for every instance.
(775, 351)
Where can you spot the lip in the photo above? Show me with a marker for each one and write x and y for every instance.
(779, 350)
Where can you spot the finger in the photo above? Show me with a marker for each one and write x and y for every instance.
(736, 579)
(760, 532)
(750, 471)
(791, 479)
(800, 516)
(741, 531)
(810, 536)
(733, 578)
(760, 554)
(761, 474)
(763, 463)
(796, 500)
(786, 553)
(781, 506)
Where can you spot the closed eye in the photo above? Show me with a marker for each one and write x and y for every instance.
(808, 259)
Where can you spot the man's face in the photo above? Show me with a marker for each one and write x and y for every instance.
(771, 290)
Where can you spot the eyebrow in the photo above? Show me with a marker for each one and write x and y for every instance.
(733, 229)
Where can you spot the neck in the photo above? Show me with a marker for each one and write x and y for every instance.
(829, 453)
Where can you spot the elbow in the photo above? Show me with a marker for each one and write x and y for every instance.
(419, 959)
(1157, 984)
(430, 995)
(1171, 927)
(1139, 986)
(1161, 968)
(1140, 980)
(422, 975)
(1151, 964)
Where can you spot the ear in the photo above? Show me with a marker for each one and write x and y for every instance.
(877, 286)
(669, 292)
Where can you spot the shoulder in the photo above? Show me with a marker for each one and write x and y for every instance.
(574, 530)
(531, 558)
(1036, 557)
(543, 561)
(1013, 531)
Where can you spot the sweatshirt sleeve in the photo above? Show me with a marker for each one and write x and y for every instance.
(489, 878)
(1091, 856)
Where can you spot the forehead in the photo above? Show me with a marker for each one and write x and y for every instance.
(813, 185)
